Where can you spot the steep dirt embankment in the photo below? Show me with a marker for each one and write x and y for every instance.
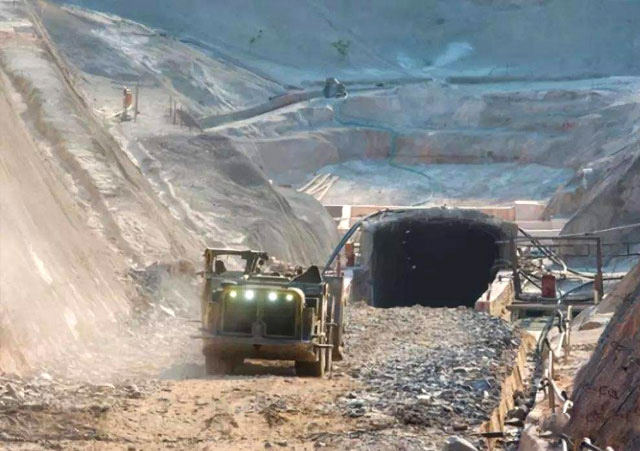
(229, 201)
(606, 392)
(215, 191)
(118, 201)
(88, 218)
(614, 200)
(59, 282)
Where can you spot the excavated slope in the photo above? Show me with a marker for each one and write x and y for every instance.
(547, 131)
(309, 40)
(614, 200)
(59, 282)
(606, 391)
(84, 223)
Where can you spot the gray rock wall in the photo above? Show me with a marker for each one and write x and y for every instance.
(297, 40)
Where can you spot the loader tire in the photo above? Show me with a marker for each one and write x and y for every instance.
(214, 364)
(312, 369)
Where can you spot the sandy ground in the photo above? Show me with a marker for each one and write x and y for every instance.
(235, 412)
(263, 404)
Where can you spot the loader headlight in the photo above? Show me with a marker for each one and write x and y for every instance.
(272, 296)
(289, 297)
(233, 294)
(249, 295)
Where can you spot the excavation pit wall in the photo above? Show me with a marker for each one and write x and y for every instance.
(435, 257)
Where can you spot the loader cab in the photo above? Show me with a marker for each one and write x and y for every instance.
(219, 261)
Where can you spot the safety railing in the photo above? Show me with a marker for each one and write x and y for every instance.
(546, 247)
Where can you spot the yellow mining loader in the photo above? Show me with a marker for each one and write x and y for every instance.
(251, 312)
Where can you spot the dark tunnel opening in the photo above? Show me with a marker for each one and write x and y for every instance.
(433, 262)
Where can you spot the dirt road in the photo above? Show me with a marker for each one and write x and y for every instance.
(406, 383)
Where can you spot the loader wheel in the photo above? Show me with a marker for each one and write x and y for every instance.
(336, 331)
(335, 338)
(214, 364)
(312, 369)
(336, 352)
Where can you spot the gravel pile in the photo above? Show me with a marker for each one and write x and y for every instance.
(432, 370)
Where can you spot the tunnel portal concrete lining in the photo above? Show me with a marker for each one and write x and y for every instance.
(434, 257)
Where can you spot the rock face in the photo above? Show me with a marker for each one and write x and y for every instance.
(548, 128)
(54, 273)
(222, 196)
(82, 204)
(606, 391)
(205, 182)
(456, 443)
(613, 201)
(308, 40)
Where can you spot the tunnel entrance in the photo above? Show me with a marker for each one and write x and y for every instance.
(435, 262)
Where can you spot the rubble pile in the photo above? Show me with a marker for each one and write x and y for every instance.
(438, 370)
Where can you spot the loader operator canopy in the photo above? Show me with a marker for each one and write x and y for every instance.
(431, 260)
(221, 261)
